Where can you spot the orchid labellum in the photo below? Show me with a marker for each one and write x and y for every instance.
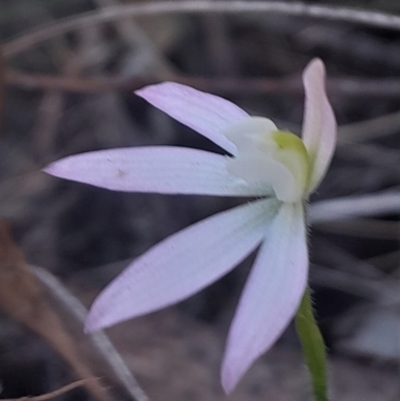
(276, 167)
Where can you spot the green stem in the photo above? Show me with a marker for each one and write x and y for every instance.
(313, 347)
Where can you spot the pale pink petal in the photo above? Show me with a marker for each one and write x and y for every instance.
(164, 169)
(271, 296)
(183, 264)
(319, 126)
(207, 114)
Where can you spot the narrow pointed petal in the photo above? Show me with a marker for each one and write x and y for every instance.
(183, 264)
(271, 296)
(163, 169)
(319, 126)
(207, 114)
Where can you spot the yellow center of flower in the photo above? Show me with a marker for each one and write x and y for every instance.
(267, 156)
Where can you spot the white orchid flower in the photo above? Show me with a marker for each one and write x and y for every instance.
(276, 166)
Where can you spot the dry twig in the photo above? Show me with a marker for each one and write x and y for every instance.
(381, 126)
(99, 339)
(26, 41)
(292, 85)
(53, 394)
(355, 206)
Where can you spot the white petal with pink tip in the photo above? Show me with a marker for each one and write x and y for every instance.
(183, 264)
(271, 296)
(160, 169)
(319, 125)
(207, 114)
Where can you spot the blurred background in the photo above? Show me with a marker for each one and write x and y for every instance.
(73, 92)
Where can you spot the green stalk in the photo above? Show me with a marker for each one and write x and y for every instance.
(313, 347)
